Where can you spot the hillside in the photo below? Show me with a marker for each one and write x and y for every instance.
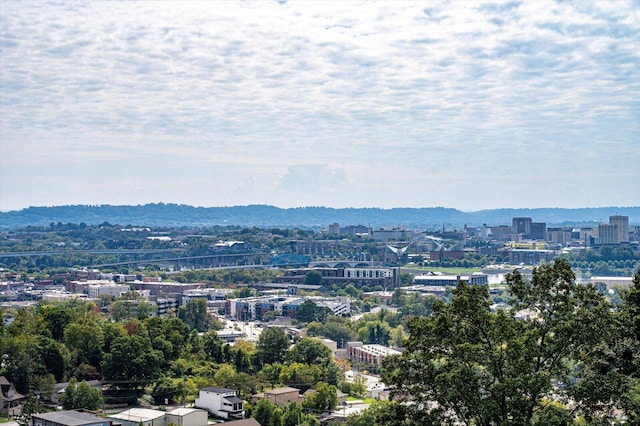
(303, 217)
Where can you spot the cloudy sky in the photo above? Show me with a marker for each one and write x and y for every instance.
(470, 105)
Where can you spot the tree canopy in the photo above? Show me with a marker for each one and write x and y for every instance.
(470, 365)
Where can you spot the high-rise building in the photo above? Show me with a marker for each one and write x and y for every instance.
(608, 233)
(521, 225)
(623, 227)
(539, 231)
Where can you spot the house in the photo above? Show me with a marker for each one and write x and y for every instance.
(187, 417)
(140, 417)
(68, 418)
(279, 396)
(9, 398)
(220, 402)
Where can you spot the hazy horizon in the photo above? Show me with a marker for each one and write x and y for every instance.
(328, 207)
(467, 105)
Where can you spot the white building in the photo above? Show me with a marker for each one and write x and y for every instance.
(611, 282)
(254, 307)
(205, 293)
(110, 289)
(62, 295)
(187, 417)
(220, 402)
(141, 417)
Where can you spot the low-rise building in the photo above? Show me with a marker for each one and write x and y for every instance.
(187, 417)
(610, 282)
(451, 280)
(253, 308)
(220, 402)
(140, 417)
(68, 418)
(110, 289)
(369, 354)
(279, 396)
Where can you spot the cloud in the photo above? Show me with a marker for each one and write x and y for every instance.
(312, 178)
(370, 88)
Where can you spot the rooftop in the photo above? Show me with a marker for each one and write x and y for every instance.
(138, 415)
(70, 417)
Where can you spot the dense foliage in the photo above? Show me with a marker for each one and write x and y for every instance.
(469, 365)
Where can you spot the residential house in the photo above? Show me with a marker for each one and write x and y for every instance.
(9, 398)
(279, 396)
(220, 402)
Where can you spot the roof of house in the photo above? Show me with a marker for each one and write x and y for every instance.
(8, 392)
(70, 417)
(278, 391)
(233, 399)
(218, 390)
(138, 415)
(183, 411)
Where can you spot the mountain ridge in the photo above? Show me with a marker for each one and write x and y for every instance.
(315, 217)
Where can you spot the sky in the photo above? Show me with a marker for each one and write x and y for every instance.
(469, 105)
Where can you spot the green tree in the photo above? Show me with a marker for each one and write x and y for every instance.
(388, 413)
(325, 398)
(132, 358)
(56, 319)
(610, 371)
(273, 345)
(271, 373)
(485, 368)
(293, 415)
(81, 396)
(85, 339)
(308, 311)
(375, 332)
(310, 351)
(195, 315)
(29, 407)
(267, 413)
(313, 277)
(302, 376)
(397, 336)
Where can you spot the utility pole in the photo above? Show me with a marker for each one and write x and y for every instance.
(184, 389)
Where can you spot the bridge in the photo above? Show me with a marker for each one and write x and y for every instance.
(346, 264)
(32, 254)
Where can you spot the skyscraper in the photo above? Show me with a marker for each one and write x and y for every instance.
(623, 227)
(521, 225)
(608, 233)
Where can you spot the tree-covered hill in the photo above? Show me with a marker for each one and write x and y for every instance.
(161, 214)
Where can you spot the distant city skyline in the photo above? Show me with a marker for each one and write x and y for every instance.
(469, 105)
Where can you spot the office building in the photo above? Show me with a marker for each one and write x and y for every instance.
(608, 233)
(521, 225)
(622, 222)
